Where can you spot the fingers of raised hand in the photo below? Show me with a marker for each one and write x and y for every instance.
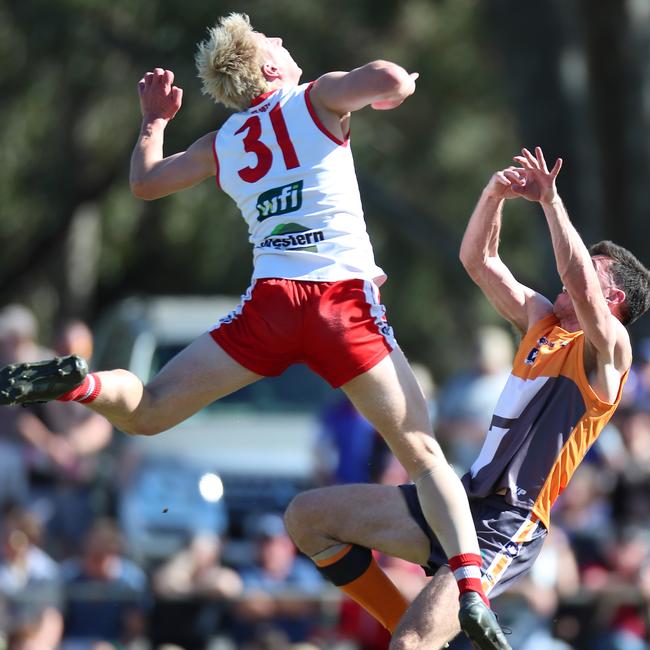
(556, 168)
(530, 158)
(539, 155)
(515, 176)
(158, 80)
(162, 77)
(177, 94)
(524, 162)
(537, 162)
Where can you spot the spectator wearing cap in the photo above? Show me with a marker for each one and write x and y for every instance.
(281, 589)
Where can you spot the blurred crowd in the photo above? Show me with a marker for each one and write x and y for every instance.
(70, 579)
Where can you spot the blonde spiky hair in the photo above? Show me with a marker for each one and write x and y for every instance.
(229, 63)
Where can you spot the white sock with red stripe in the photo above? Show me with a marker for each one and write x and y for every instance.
(467, 571)
(86, 392)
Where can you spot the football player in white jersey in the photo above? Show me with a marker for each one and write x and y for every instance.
(284, 157)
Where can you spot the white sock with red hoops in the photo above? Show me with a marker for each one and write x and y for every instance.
(467, 571)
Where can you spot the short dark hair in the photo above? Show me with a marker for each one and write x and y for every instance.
(630, 276)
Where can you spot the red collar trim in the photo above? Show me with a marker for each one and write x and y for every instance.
(260, 98)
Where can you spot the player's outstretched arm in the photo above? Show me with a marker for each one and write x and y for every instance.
(152, 175)
(479, 254)
(535, 182)
(380, 84)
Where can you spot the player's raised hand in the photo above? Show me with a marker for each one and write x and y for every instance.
(159, 98)
(533, 180)
(500, 186)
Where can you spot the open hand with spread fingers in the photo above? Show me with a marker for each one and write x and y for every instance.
(159, 98)
(532, 180)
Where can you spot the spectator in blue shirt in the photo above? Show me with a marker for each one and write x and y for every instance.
(281, 589)
(107, 594)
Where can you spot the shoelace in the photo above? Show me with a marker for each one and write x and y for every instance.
(507, 631)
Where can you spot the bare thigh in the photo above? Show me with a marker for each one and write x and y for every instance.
(390, 397)
(373, 516)
(200, 374)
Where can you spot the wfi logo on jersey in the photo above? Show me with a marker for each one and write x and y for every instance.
(279, 200)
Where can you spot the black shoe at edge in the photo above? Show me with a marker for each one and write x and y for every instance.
(41, 381)
(479, 624)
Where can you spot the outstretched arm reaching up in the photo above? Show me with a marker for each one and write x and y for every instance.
(479, 254)
(152, 175)
(588, 282)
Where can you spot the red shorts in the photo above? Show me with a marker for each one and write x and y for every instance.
(338, 329)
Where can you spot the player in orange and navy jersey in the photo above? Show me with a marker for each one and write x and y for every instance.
(284, 157)
(566, 382)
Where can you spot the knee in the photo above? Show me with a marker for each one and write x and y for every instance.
(301, 517)
(407, 640)
(425, 456)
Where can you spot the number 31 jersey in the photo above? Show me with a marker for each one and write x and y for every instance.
(296, 187)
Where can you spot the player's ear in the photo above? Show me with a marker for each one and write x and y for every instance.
(271, 71)
(615, 296)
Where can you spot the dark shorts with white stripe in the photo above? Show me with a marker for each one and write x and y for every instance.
(510, 539)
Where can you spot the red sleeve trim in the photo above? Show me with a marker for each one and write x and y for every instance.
(216, 159)
(318, 123)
